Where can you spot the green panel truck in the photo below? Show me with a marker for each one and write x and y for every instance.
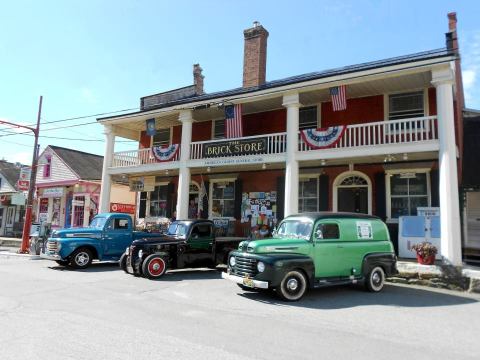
(311, 250)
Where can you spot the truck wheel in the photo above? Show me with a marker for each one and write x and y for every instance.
(62, 262)
(154, 266)
(293, 286)
(123, 262)
(375, 279)
(81, 258)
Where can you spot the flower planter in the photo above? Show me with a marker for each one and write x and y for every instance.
(428, 260)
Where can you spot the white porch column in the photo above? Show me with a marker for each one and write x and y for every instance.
(449, 200)
(184, 171)
(291, 102)
(107, 162)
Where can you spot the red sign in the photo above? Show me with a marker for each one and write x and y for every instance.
(23, 185)
(122, 208)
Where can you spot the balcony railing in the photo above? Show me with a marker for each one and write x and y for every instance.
(136, 158)
(392, 132)
(385, 133)
(274, 144)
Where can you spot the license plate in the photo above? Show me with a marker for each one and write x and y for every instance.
(130, 269)
(248, 282)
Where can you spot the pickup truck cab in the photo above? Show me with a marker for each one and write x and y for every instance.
(105, 239)
(186, 244)
(312, 250)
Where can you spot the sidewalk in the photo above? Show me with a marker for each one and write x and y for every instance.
(10, 242)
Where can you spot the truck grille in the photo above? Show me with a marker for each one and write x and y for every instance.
(245, 266)
(52, 246)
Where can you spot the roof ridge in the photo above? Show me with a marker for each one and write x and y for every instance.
(68, 149)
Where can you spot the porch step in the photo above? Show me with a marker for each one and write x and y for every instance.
(10, 242)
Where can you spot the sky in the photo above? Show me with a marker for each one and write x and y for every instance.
(90, 57)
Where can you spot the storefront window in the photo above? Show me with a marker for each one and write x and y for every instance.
(408, 192)
(56, 212)
(158, 201)
(223, 199)
(308, 195)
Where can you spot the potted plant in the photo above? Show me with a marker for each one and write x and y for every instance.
(425, 252)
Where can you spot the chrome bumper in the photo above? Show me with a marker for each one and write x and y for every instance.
(240, 280)
(55, 257)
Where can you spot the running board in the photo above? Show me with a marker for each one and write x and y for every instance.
(333, 282)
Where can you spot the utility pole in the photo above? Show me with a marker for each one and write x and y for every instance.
(31, 189)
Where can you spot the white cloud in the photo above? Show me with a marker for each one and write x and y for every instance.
(470, 49)
(23, 157)
(87, 95)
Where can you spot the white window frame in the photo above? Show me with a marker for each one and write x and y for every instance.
(386, 102)
(309, 177)
(210, 197)
(212, 133)
(170, 136)
(319, 113)
(343, 176)
(149, 193)
(388, 197)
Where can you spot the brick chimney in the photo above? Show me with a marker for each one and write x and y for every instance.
(198, 79)
(255, 55)
(451, 36)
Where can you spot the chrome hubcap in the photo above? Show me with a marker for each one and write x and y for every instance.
(156, 266)
(376, 278)
(82, 259)
(292, 284)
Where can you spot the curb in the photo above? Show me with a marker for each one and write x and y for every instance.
(14, 254)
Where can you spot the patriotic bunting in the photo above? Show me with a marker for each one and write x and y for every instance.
(323, 138)
(166, 153)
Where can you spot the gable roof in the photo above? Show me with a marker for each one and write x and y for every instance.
(87, 166)
(10, 172)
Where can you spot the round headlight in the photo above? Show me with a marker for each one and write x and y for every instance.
(260, 266)
(59, 245)
(232, 261)
(140, 253)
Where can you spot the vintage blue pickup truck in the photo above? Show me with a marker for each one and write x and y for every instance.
(105, 239)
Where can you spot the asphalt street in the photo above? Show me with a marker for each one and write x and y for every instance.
(50, 312)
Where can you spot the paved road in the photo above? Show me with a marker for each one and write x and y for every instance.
(49, 312)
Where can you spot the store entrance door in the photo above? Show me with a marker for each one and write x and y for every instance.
(353, 199)
(78, 205)
(1, 222)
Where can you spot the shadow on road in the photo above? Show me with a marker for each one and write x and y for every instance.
(342, 297)
(93, 268)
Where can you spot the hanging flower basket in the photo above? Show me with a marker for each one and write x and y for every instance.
(425, 253)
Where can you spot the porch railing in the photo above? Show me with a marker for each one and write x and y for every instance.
(276, 144)
(385, 133)
(137, 157)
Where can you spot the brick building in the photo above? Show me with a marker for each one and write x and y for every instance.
(395, 150)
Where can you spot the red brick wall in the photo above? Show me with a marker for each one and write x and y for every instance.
(177, 134)
(432, 102)
(359, 110)
(201, 131)
(265, 122)
(144, 140)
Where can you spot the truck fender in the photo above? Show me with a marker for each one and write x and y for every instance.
(283, 265)
(79, 244)
(386, 260)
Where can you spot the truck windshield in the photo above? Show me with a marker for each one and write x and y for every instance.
(177, 229)
(295, 229)
(98, 222)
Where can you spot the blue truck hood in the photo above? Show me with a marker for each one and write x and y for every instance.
(77, 233)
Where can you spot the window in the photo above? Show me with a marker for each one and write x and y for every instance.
(403, 106)
(308, 195)
(47, 168)
(120, 224)
(219, 129)
(327, 232)
(223, 199)
(201, 231)
(308, 118)
(408, 191)
(162, 137)
(158, 201)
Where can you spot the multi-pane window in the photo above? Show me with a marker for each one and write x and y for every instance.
(158, 201)
(408, 192)
(308, 118)
(162, 137)
(223, 199)
(308, 195)
(219, 129)
(407, 105)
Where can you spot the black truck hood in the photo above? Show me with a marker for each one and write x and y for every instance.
(161, 239)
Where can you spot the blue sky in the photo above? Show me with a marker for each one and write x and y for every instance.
(88, 57)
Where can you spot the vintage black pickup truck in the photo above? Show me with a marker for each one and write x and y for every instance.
(186, 244)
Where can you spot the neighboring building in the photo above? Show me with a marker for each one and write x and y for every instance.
(393, 149)
(12, 201)
(68, 187)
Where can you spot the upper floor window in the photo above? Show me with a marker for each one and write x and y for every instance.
(308, 118)
(47, 168)
(219, 129)
(406, 105)
(162, 137)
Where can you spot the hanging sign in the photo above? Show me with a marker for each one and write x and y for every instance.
(23, 182)
(122, 208)
(142, 183)
(167, 153)
(52, 192)
(235, 147)
(323, 138)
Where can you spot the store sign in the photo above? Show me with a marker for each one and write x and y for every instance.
(23, 182)
(142, 183)
(78, 202)
(52, 192)
(122, 208)
(235, 148)
(234, 161)
(18, 199)
(23, 185)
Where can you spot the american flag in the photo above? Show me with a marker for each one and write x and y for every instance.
(233, 121)
(339, 98)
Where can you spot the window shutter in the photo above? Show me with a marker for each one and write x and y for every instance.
(280, 197)
(323, 193)
(238, 199)
(143, 205)
(170, 199)
(434, 188)
(204, 214)
(380, 196)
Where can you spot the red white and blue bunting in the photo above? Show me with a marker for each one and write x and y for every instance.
(323, 138)
(165, 153)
